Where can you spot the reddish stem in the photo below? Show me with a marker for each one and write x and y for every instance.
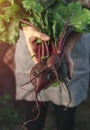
(54, 51)
(43, 50)
(61, 43)
(28, 23)
(39, 52)
(47, 49)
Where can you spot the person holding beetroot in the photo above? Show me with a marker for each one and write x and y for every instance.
(73, 54)
(62, 22)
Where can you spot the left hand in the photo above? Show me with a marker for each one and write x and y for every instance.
(31, 34)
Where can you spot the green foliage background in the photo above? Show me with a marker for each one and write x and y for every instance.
(10, 117)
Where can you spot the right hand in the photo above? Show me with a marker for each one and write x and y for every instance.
(31, 34)
(69, 61)
(70, 44)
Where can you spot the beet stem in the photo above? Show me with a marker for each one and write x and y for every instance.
(47, 49)
(28, 23)
(62, 36)
(43, 50)
(54, 52)
(63, 32)
(39, 52)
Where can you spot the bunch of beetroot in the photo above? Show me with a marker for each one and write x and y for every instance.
(51, 68)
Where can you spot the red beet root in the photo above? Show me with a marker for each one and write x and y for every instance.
(41, 77)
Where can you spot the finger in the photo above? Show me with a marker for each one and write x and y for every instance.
(41, 36)
(70, 69)
(34, 58)
(31, 32)
(33, 54)
(32, 40)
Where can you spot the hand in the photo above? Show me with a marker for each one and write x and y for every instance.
(70, 44)
(69, 61)
(31, 34)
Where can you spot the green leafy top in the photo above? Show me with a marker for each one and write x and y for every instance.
(49, 18)
(52, 19)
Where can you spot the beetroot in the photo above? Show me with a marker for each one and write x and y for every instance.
(48, 71)
(50, 68)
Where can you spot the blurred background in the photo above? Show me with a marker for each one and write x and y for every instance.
(82, 116)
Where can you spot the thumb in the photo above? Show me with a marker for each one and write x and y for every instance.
(70, 65)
